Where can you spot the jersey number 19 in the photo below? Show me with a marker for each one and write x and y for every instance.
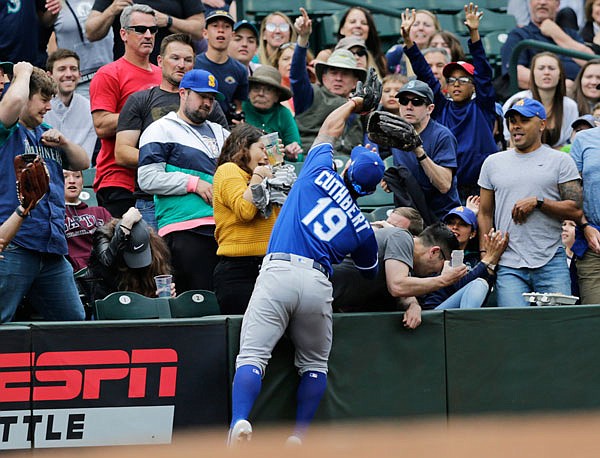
(334, 219)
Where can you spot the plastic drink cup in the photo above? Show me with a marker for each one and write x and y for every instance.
(271, 142)
(163, 285)
(457, 258)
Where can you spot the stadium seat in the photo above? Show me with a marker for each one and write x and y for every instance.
(442, 6)
(491, 22)
(447, 22)
(381, 213)
(193, 304)
(379, 198)
(297, 167)
(492, 43)
(125, 305)
(88, 177)
(88, 196)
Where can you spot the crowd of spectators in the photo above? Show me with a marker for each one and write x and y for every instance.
(169, 100)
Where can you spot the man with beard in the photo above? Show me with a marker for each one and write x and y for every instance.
(144, 107)
(178, 156)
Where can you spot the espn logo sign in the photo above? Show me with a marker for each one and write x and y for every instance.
(67, 375)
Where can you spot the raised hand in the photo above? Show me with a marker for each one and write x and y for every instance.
(472, 17)
(303, 25)
(408, 19)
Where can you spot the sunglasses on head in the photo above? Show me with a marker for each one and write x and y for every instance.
(287, 45)
(360, 52)
(142, 29)
(461, 80)
(416, 102)
(271, 27)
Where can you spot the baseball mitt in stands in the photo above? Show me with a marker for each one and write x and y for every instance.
(387, 129)
(33, 180)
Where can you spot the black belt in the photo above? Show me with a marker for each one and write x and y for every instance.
(288, 257)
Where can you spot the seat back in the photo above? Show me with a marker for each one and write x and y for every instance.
(125, 305)
(194, 304)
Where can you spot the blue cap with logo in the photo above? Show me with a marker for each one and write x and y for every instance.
(245, 24)
(365, 171)
(419, 88)
(219, 14)
(201, 81)
(464, 213)
(528, 108)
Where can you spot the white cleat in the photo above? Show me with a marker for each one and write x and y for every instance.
(241, 432)
(293, 441)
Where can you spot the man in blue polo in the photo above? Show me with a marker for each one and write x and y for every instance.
(318, 225)
(34, 263)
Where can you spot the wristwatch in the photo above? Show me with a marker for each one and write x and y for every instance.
(540, 202)
(492, 267)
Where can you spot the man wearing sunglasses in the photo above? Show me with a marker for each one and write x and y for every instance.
(434, 163)
(172, 16)
(109, 90)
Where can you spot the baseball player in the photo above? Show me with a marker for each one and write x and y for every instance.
(318, 225)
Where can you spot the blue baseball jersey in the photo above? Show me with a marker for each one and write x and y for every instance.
(320, 220)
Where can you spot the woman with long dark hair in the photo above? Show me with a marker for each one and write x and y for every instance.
(358, 21)
(548, 86)
(585, 87)
(126, 256)
(242, 232)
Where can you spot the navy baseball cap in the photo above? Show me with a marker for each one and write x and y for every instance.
(366, 170)
(417, 87)
(528, 108)
(464, 213)
(219, 14)
(137, 253)
(201, 81)
(585, 119)
(245, 24)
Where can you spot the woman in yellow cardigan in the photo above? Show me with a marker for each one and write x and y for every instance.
(242, 232)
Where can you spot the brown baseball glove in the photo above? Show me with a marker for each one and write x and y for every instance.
(33, 180)
(387, 129)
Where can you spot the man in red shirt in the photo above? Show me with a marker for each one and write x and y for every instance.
(109, 90)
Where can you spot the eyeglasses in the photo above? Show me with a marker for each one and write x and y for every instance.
(360, 52)
(271, 27)
(443, 255)
(142, 29)
(416, 102)
(461, 80)
(289, 44)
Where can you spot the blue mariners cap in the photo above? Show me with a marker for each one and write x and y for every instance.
(528, 108)
(201, 81)
(219, 14)
(247, 25)
(464, 213)
(417, 87)
(365, 171)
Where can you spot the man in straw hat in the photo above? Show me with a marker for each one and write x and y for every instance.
(265, 111)
(312, 102)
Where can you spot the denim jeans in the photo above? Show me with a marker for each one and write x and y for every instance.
(553, 277)
(470, 296)
(47, 279)
(146, 208)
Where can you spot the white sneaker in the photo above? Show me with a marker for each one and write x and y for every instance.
(293, 441)
(241, 432)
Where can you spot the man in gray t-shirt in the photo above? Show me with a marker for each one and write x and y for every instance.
(526, 192)
(408, 265)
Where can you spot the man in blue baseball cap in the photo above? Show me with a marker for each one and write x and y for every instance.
(526, 192)
(178, 157)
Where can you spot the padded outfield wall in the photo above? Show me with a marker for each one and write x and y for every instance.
(135, 382)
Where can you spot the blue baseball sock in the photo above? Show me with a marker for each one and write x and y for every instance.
(312, 387)
(246, 388)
